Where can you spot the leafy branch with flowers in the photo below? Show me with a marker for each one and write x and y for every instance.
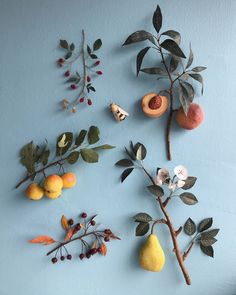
(165, 188)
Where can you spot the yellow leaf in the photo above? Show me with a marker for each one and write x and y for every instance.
(69, 234)
(45, 240)
(104, 249)
(94, 245)
(64, 222)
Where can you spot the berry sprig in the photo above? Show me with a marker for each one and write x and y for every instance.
(83, 79)
(81, 230)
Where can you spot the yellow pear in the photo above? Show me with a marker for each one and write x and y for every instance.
(151, 255)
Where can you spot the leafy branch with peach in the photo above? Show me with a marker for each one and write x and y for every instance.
(166, 188)
(178, 73)
(69, 148)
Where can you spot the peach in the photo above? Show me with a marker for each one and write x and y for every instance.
(69, 180)
(193, 119)
(53, 183)
(154, 105)
(53, 195)
(34, 191)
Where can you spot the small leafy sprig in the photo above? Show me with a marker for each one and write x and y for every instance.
(80, 231)
(161, 182)
(69, 147)
(83, 79)
(171, 67)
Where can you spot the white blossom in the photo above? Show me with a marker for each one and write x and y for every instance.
(181, 172)
(162, 175)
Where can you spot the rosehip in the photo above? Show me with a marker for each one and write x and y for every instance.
(99, 250)
(92, 222)
(93, 251)
(73, 86)
(106, 239)
(84, 215)
(70, 221)
(99, 72)
(67, 73)
(62, 258)
(60, 61)
(69, 257)
(81, 256)
(97, 63)
(90, 102)
(88, 79)
(81, 99)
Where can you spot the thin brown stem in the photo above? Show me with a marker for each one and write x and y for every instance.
(188, 250)
(158, 221)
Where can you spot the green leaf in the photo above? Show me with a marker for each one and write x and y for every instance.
(156, 190)
(93, 135)
(64, 142)
(154, 71)
(104, 147)
(142, 228)
(208, 241)
(140, 57)
(125, 163)
(64, 44)
(190, 58)
(188, 198)
(174, 62)
(29, 157)
(138, 37)
(80, 138)
(92, 89)
(205, 224)
(89, 50)
(189, 182)
(140, 151)
(198, 78)
(190, 227)
(157, 19)
(198, 69)
(174, 35)
(72, 80)
(126, 173)
(73, 157)
(97, 44)
(89, 155)
(93, 56)
(72, 46)
(43, 158)
(130, 154)
(207, 250)
(210, 233)
(171, 46)
(186, 95)
(142, 217)
(68, 55)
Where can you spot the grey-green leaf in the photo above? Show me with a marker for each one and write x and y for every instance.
(207, 250)
(188, 198)
(93, 135)
(198, 78)
(142, 228)
(68, 55)
(104, 147)
(64, 44)
(171, 46)
(190, 57)
(208, 241)
(210, 233)
(156, 190)
(154, 71)
(80, 138)
(205, 224)
(139, 36)
(142, 217)
(189, 182)
(43, 158)
(140, 57)
(97, 44)
(64, 142)
(174, 35)
(29, 156)
(190, 227)
(125, 163)
(126, 173)
(140, 151)
(198, 69)
(72, 46)
(157, 19)
(174, 62)
(89, 155)
(73, 157)
(186, 95)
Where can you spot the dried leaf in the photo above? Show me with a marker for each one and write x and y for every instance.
(64, 142)
(73, 157)
(186, 95)
(154, 71)
(209, 251)
(189, 182)
(142, 217)
(124, 163)
(140, 57)
(142, 229)
(89, 155)
(104, 249)
(69, 234)
(171, 46)
(64, 222)
(104, 147)
(29, 157)
(93, 134)
(126, 173)
(157, 19)
(190, 227)
(188, 198)
(198, 69)
(45, 240)
(205, 224)
(208, 241)
(190, 58)
(198, 78)
(210, 233)
(174, 35)
(139, 36)
(64, 44)
(140, 151)
(97, 44)
(80, 138)
(156, 190)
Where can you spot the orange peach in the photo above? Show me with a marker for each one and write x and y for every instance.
(69, 180)
(53, 183)
(154, 105)
(34, 191)
(193, 119)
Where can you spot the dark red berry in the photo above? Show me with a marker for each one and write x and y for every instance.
(90, 102)
(97, 63)
(84, 215)
(67, 73)
(106, 239)
(81, 256)
(99, 250)
(99, 72)
(60, 61)
(73, 86)
(70, 221)
(107, 231)
(92, 222)
(93, 251)
(88, 79)
(62, 258)
(81, 99)
(69, 257)
(54, 260)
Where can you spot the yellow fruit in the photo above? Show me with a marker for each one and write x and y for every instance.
(34, 191)
(53, 183)
(53, 195)
(151, 256)
(69, 180)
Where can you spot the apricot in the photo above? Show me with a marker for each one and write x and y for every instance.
(53, 183)
(69, 180)
(53, 195)
(34, 191)
(193, 119)
(154, 105)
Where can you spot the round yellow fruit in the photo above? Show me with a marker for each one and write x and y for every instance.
(53, 195)
(34, 191)
(53, 183)
(69, 180)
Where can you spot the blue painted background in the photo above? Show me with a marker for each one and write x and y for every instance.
(31, 87)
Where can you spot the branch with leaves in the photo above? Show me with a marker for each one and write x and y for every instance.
(177, 187)
(69, 147)
(80, 231)
(172, 67)
(82, 79)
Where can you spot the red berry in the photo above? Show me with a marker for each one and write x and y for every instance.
(93, 251)
(69, 257)
(97, 63)
(67, 73)
(107, 231)
(90, 102)
(60, 61)
(62, 258)
(81, 99)
(70, 221)
(54, 260)
(88, 79)
(99, 250)
(84, 215)
(81, 256)
(106, 239)
(92, 222)
(73, 86)
(99, 72)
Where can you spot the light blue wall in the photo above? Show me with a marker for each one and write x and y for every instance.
(30, 89)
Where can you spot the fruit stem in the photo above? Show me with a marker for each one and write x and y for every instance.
(158, 221)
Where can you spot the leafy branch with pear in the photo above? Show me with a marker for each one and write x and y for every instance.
(69, 148)
(171, 67)
(166, 188)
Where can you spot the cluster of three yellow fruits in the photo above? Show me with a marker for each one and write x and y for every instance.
(52, 186)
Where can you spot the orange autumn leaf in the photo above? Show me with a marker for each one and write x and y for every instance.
(69, 234)
(104, 249)
(64, 222)
(45, 240)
